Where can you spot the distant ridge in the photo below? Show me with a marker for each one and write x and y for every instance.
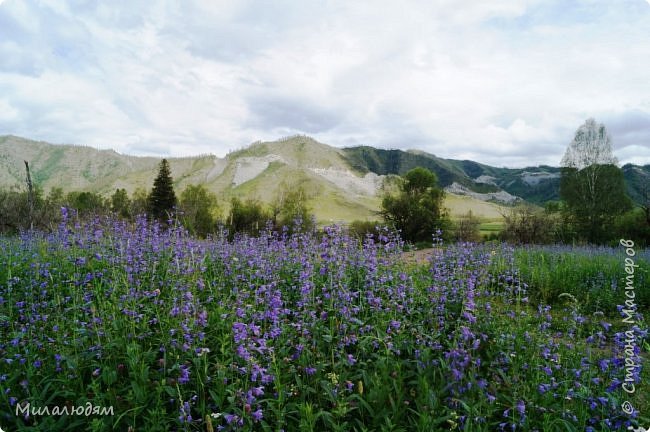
(343, 184)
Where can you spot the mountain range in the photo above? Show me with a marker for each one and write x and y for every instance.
(342, 184)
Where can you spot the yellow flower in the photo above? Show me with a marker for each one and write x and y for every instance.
(333, 377)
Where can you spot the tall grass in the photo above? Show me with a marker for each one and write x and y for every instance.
(595, 276)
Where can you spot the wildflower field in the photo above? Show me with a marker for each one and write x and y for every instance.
(315, 332)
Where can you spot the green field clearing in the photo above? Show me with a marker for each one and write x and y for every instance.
(491, 227)
(460, 205)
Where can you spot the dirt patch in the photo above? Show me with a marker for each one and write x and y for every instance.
(422, 256)
(344, 179)
(247, 168)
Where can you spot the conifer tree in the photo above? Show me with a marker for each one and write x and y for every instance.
(162, 198)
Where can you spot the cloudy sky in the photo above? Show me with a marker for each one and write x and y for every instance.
(503, 82)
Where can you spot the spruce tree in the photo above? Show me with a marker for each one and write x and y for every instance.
(162, 199)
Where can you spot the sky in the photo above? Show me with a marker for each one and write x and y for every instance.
(501, 82)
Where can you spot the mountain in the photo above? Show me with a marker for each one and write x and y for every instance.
(343, 184)
(637, 179)
(536, 185)
(258, 171)
(504, 185)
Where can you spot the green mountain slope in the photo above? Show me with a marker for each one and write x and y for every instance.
(637, 180)
(343, 184)
(536, 185)
(260, 171)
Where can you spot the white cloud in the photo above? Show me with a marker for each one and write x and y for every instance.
(7, 112)
(505, 82)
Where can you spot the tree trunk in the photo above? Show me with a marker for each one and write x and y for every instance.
(30, 197)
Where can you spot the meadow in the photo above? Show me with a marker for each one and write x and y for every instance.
(317, 331)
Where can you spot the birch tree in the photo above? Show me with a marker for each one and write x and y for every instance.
(591, 185)
(591, 145)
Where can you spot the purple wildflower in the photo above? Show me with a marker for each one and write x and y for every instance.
(184, 377)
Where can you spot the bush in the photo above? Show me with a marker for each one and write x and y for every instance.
(466, 228)
(15, 213)
(87, 203)
(290, 210)
(526, 225)
(247, 217)
(417, 210)
(121, 204)
(199, 210)
(363, 229)
(633, 225)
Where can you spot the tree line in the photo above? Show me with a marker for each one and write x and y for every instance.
(197, 209)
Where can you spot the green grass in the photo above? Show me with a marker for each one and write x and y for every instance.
(489, 228)
(595, 279)
(459, 206)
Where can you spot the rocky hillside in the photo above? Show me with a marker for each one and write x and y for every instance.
(503, 185)
(343, 184)
(336, 191)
